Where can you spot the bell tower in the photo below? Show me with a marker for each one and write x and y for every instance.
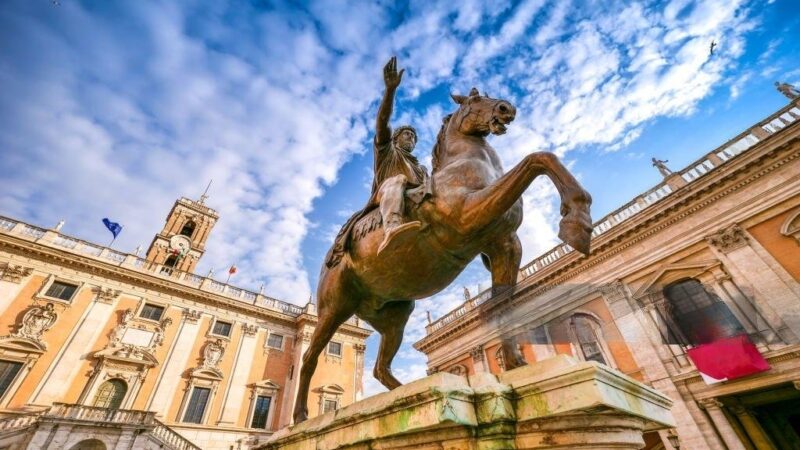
(182, 241)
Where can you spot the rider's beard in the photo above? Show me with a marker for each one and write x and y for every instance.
(406, 146)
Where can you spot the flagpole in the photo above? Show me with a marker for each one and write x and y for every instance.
(229, 277)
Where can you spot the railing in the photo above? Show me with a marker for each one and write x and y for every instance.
(77, 246)
(95, 414)
(18, 422)
(169, 437)
(690, 174)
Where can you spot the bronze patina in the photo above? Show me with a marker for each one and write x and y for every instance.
(471, 207)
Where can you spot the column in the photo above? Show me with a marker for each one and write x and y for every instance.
(11, 283)
(234, 397)
(752, 427)
(175, 364)
(726, 432)
(478, 359)
(54, 385)
(358, 378)
(770, 291)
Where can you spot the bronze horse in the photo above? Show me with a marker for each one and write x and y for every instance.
(475, 210)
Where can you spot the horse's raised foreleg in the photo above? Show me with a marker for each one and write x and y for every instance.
(484, 206)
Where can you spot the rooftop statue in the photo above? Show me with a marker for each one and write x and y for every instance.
(661, 165)
(788, 90)
(437, 225)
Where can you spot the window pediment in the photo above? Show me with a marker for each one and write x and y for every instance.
(333, 389)
(21, 345)
(669, 273)
(791, 227)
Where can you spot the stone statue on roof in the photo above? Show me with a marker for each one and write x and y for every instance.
(662, 166)
(788, 90)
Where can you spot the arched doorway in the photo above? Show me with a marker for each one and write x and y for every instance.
(110, 394)
(89, 444)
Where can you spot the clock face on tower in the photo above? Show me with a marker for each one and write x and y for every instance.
(180, 243)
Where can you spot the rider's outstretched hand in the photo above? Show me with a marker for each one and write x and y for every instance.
(390, 75)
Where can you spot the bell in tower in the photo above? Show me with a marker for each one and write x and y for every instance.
(181, 243)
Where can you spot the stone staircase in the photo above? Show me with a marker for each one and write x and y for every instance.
(64, 424)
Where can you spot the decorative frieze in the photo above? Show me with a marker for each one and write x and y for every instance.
(14, 274)
(728, 239)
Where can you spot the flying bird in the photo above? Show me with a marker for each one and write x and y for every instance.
(711, 48)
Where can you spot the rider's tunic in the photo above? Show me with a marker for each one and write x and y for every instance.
(389, 161)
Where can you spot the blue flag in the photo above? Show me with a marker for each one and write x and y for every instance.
(113, 227)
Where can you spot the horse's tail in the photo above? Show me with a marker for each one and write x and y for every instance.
(438, 148)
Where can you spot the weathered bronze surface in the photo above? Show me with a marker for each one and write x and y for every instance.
(474, 208)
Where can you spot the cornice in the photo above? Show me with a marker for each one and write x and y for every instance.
(50, 255)
(671, 210)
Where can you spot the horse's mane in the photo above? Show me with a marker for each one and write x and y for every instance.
(438, 147)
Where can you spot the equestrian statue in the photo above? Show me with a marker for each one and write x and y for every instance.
(418, 232)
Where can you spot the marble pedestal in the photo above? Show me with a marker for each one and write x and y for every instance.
(556, 403)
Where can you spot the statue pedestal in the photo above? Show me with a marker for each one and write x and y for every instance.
(556, 403)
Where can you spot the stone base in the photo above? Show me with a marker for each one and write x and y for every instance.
(556, 403)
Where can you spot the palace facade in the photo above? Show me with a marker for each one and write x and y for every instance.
(707, 258)
(101, 349)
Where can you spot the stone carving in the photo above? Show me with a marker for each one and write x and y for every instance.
(729, 239)
(119, 330)
(471, 207)
(467, 295)
(36, 321)
(158, 339)
(15, 274)
(709, 403)
(359, 348)
(213, 353)
(431, 370)
(249, 329)
(788, 90)
(477, 353)
(191, 315)
(662, 167)
(106, 295)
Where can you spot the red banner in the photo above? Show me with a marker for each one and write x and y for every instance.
(727, 359)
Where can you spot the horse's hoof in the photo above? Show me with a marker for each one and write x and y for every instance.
(399, 236)
(575, 235)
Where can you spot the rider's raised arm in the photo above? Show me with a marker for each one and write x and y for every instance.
(391, 78)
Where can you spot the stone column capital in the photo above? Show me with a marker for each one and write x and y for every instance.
(106, 295)
(709, 403)
(191, 315)
(14, 274)
(359, 348)
(477, 353)
(728, 239)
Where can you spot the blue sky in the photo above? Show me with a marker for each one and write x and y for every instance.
(114, 109)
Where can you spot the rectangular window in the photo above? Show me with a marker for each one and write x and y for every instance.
(275, 341)
(335, 348)
(197, 405)
(260, 412)
(8, 371)
(61, 290)
(152, 312)
(329, 405)
(221, 328)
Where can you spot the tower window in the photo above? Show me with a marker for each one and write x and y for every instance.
(188, 229)
(110, 394)
(171, 261)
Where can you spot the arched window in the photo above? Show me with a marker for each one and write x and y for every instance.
(171, 261)
(699, 315)
(110, 394)
(188, 228)
(89, 444)
(588, 337)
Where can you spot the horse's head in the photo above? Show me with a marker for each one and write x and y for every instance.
(480, 115)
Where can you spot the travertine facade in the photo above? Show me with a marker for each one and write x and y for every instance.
(96, 337)
(729, 225)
